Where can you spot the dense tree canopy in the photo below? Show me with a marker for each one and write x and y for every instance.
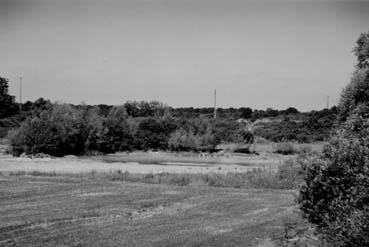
(335, 196)
(356, 93)
(7, 102)
(362, 51)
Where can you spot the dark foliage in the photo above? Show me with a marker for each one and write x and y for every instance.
(63, 130)
(153, 134)
(115, 136)
(8, 107)
(362, 51)
(316, 126)
(335, 196)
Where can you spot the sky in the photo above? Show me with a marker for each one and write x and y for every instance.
(258, 54)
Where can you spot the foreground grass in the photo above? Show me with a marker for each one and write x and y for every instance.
(94, 209)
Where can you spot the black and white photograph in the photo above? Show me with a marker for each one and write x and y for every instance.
(193, 123)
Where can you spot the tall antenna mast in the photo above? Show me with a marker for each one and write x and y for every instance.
(20, 93)
(215, 104)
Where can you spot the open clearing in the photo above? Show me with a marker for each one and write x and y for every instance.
(80, 210)
(71, 211)
(143, 163)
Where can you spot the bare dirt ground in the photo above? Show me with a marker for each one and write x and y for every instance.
(72, 211)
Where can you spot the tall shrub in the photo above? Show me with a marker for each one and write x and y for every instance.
(335, 196)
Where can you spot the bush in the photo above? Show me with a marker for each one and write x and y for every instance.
(284, 148)
(56, 133)
(304, 149)
(316, 126)
(182, 140)
(197, 134)
(335, 196)
(244, 150)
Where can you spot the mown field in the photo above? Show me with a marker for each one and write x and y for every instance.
(62, 210)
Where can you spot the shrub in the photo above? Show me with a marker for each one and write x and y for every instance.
(284, 148)
(37, 136)
(305, 149)
(56, 133)
(242, 136)
(182, 140)
(335, 196)
(244, 150)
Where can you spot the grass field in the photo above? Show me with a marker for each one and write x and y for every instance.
(80, 211)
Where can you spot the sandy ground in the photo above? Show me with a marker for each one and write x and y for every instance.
(76, 165)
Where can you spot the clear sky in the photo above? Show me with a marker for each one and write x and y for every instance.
(255, 53)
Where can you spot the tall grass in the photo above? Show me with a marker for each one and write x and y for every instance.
(285, 148)
(288, 148)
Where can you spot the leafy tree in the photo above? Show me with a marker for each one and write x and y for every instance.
(115, 134)
(57, 131)
(93, 123)
(36, 135)
(245, 112)
(151, 134)
(35, 108)
(356, 93)
(335, 196)
(145, 109)
(7, 102)
(362, 51)
(270, 112)
(291, 110)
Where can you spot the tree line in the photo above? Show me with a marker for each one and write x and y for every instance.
(62, 129)
(295, 126)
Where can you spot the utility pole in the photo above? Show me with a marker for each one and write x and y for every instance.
(215, 104)
(20, 93)
(327, 102)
